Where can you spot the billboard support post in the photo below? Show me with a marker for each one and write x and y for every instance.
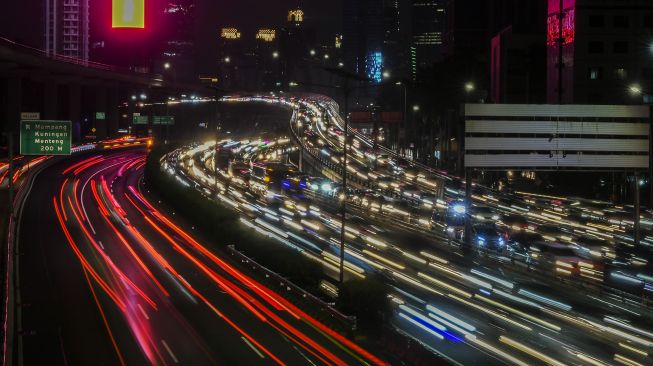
(636, 209)
(467, 243)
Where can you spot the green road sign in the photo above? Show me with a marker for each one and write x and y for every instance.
(45, 137)
(163, 120)
(100, 116)
(140, 120)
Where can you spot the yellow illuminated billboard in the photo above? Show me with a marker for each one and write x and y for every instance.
(128, 14)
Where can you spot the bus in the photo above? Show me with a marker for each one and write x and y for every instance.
(269, 176)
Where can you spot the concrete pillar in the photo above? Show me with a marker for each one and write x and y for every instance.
(50, 100)
(101, 101)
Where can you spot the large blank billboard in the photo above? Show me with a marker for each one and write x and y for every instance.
(513, 136)
(128, 14)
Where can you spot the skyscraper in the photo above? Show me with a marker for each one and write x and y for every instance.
(600, 52)
(363, 36)
(177, 47)
(67, 28)
(428, 26)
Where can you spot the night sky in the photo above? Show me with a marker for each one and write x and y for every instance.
(23, 21)
(326, 15)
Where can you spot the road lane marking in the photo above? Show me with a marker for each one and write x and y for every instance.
(303, 355)
(252, 347)
(100, 242)
(143, 311)
(169, 351)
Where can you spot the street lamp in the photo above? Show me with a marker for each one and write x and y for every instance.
(386, 74)
(416, 108)
(326, 56)
(133, 97)
(340, 64)
(275, 54)
(469, 87)
(635, 89)
(143, 96)
(227, 59)
(312, 52)
(166, 65)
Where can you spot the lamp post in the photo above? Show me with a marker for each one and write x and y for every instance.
(346, 88)
(347, 77)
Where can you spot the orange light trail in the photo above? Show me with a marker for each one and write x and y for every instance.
(264, 292)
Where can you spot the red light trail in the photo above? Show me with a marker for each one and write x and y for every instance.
(123, 267)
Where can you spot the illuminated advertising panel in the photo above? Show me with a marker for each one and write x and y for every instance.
(128, 14)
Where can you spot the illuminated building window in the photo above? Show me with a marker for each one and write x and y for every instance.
(620, 73)
(230, 33)
(296, 16)
(338, 41)
(374, 66)
(595, 73)
(266, 35)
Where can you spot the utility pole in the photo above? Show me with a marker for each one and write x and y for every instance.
(467, 242)
(347, 77)
(637, 209)
(343, 208)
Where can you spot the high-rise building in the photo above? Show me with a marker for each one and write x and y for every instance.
(177, 50)
(428, 26)
(67, 28)
(604, 50)
(363, 36)
(518, 52)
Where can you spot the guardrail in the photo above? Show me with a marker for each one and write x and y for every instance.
(66, 59)
(11, 259)
(348, 321)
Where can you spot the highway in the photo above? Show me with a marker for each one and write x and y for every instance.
(105, 278)
(469, 308)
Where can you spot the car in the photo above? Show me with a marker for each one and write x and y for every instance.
(519, 246)
(319, 185)
(515, 222)
(561, 259)
(486, 238)
(551, 232)
(594, 249)
(483, 213)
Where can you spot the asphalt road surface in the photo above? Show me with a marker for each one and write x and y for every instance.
(107, 279)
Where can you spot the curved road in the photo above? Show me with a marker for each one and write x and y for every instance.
(107, 279)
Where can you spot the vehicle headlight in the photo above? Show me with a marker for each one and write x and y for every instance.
(495, 217)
